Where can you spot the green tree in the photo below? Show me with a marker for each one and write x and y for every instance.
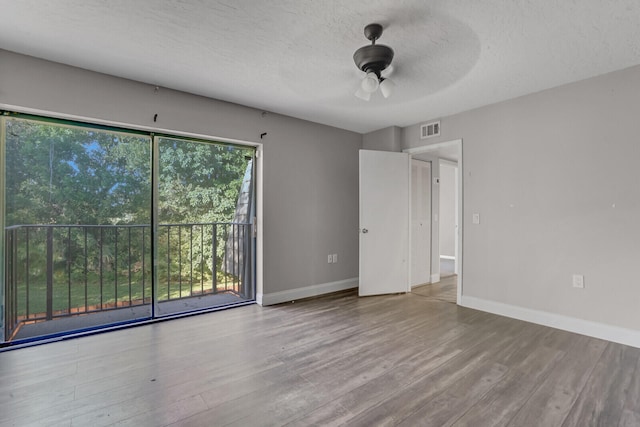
(66, 175)
(69, 175)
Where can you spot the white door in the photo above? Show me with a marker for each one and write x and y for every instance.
(384, 222)
(420, 222)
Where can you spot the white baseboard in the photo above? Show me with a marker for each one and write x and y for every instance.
(306, 292)
(448, 257)
(630, 337)
(435, 278)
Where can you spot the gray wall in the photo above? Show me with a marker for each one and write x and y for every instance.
(387, 139)
(310, 170)
(555, 178)
(447, 216)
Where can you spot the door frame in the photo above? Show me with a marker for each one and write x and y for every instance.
(456, 219)
(411, 247)
(434, 148)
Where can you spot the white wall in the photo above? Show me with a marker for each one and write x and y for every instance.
(555, 178)
(310, 170)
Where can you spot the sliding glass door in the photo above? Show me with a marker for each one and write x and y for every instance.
(107, 226)
(76, 227)
(204, 232)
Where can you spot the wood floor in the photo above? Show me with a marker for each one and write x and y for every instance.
(444, 290)
(391, 360)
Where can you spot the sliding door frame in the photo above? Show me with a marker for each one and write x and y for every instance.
(256, 257)
(3, 243)
(155, 189)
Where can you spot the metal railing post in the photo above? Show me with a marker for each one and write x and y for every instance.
(214, 261)
(11, 305)
(49, 273)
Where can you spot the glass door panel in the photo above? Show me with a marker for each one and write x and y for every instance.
(105, 226)
(77, 228)
(204, 232)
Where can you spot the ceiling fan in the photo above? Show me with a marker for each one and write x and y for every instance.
(373, 60)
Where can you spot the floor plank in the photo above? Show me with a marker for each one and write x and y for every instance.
(557, 393)
(444, 290)
(414, 359)
(500, 404)
(605, 394)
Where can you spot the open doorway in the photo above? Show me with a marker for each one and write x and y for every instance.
(420, 223)
(448, 223)
(446, 278)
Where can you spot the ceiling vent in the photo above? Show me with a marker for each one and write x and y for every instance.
(430, 130)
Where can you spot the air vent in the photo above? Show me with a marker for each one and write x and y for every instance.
(430, 130)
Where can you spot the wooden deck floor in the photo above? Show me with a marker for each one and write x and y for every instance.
(389, 360)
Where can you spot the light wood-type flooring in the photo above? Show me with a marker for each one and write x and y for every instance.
(405, 360)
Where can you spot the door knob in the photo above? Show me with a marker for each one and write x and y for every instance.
(365, 231)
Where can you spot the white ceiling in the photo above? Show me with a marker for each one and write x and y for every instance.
(295, 56)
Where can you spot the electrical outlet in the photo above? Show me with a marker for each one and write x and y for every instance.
(330, 259)
(578, 281)
(335, 258)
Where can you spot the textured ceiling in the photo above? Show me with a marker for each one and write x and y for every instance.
(295, 56)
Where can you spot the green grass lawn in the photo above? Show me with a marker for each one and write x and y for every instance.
(93, 295)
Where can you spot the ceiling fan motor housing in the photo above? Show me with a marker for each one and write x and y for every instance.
(373, 58)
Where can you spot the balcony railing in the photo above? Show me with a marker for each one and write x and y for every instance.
(56, 271)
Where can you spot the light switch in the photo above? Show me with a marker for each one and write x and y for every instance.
(476, 218)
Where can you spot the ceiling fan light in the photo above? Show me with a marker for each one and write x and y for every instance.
(370, 83)
(386, 87)
(375, 60)
(362, 94)
(387, 71)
